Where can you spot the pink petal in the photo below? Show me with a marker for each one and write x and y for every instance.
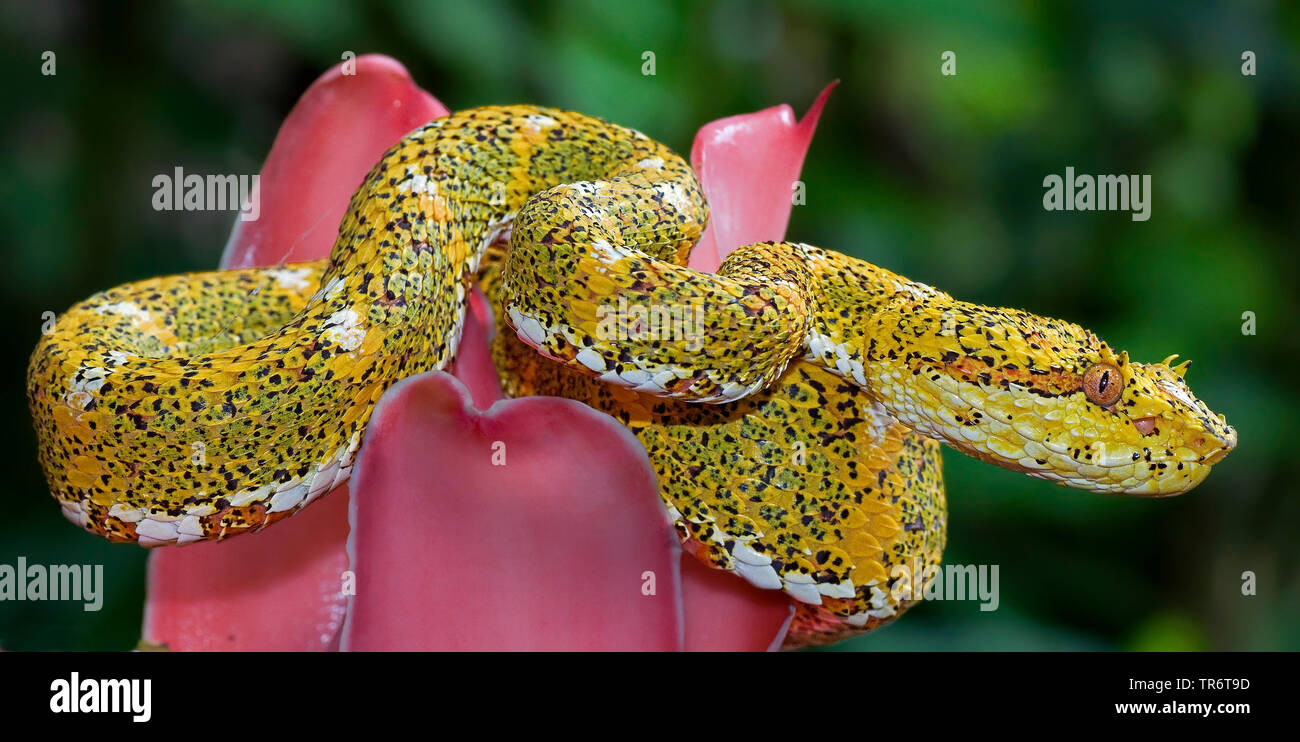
(323, 150)
(726, 614)
(330, 140)
(748, 165)
(276, 590)
(280, 590)
(474, 358)
(549, 551)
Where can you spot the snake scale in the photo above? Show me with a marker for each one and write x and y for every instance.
(208, 404)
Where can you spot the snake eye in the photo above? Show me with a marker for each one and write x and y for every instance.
(1103, 384)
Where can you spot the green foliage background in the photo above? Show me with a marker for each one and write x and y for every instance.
(939, 178)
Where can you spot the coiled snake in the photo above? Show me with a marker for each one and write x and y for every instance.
(204, 405)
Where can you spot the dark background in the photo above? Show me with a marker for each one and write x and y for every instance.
(939, 178)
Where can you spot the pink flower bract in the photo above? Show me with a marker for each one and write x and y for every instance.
(553, 550)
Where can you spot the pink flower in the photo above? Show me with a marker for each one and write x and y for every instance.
(565, 546)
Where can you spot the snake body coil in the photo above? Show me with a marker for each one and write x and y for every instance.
(204, 405)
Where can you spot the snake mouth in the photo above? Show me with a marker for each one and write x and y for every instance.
(1157, 470)
(1173, 471)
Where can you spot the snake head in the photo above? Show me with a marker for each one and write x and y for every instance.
(1169, 435)
(1050, 399)
(1104, 423)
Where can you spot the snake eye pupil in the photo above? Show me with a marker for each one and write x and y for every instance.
(1102, 384)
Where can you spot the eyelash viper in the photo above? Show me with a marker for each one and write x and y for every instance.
(200, 406)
